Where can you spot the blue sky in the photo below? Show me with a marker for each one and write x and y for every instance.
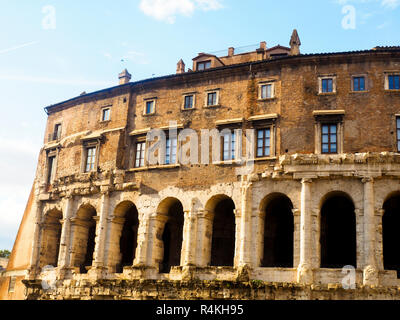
(53, 50)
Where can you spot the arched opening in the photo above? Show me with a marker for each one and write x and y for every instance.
(172, 234)
(338, 231)
(223, 231)
(128, 235)
(84, 233)
(50, 239)
(390, 233)
(278, 232)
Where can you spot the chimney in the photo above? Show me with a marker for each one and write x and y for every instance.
(231, 51)
(295, 44)
(180, 68)
(124, 77)
(263, 45)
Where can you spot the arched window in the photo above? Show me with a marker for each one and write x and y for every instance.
(338, 231)
(390, 233)
(278, 232)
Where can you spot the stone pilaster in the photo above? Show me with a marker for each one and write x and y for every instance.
(101, 229)
(189, 239)
(245, 224)
(370, 267)
(65, 241)
(304, 270)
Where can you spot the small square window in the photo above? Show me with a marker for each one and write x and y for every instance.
(212, 98)
(188, 102)
(394, 82)
(359, 83)
(106, 114)
(150, 107)
(203, 65)
(327, 85)
(267, 91)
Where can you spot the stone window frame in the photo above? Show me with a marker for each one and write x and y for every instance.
(217, 104)
(397, 119)
(268, 121)
(87, 144)
(139, 139)
(205, 62)
(235, 125)
(271, 82)
(52, 135)
(366, 82)
(334, 84)
(325, 117)
(146, 101)
(386, 80)
(103, 109)
(184, 100)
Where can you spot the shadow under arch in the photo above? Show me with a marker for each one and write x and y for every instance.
(278, 244)
(337, 230)
(84, 237)
(390, 232)
(50, 238)
(222, 210)
(124, 235)
(170, 217)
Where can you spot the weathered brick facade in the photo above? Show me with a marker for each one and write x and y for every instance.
(279, 211)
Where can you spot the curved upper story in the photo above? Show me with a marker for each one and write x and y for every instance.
(334, 103)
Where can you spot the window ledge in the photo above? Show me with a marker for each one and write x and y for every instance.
(188, 109)
(148, 114)
(266, 99)
(327, 93)
(392, 90)
(228, 163)
(364, 91)
(264, 158)
(105, 121)
(213, 106)
(162, 166)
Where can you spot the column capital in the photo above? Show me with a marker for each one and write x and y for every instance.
(306, 180)
(367, 179)
(379, 212)
(296, 212)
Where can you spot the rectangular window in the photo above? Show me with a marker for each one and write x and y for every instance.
(263, 143)
(140, 154)
(398, 133)
(359, 84)
(229, 143)
(56, 135)
(329, 138)
(394, 82)
(170, 151)
(106, 113)
(327, 85)
(267, 91)
(188, 102)
(212, 99)
(11, 284)
(203, 65)
(150, 107)
(90, 159)
(51, 169)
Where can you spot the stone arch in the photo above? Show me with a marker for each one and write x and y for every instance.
(50, 238)
(170, 221)
(83, 237)
(123, 236)
(278, 231)
(390, 233)
(338, 243)
(221, 209)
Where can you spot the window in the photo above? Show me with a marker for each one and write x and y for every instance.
(51, 169)
(188, 102)
(327, 84)
(106, 114)
(150, 107)
(203, 65)
(359, 83)
(56, 134)
(11, 284)
(90, 159)
(228, 146)
(212, 98)
(140, 154)
(267, 91)
(329, 138)
(394, 82)
(170, 151)
(398, 133)
(263, 142)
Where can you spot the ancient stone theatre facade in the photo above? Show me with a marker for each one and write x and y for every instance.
(289, 188)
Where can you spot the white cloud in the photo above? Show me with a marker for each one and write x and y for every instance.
(391, 4)
(167, 10)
